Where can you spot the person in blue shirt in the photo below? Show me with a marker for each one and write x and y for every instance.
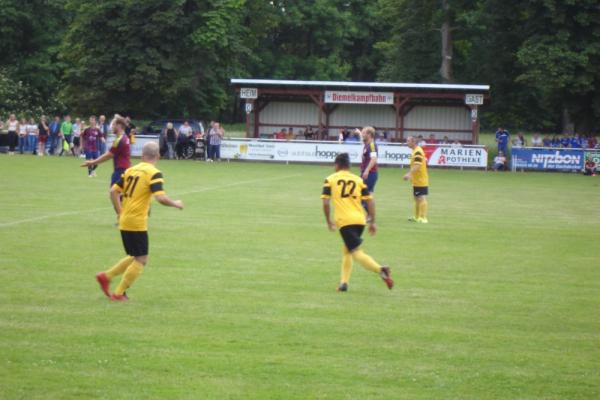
(576, 142)
(565, 141)
(502, 137)
(54, 132)
(547, 142)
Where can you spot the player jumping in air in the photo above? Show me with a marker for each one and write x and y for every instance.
(137, 186)
(420, 180)
(347, 190)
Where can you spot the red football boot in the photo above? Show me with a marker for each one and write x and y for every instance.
(119, 297)
(104, 283)
(386, 275)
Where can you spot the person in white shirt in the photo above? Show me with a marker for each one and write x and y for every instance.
(536, 140)
(23, 136)
(185, 132)
(499, 162)
(32, 136)
(421, 142)
(77, 129)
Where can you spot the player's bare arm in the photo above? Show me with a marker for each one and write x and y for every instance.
(371, 164)
(104, 157)
(115, 198)
(166, 201)
(327, 212)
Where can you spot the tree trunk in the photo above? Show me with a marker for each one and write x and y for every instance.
(447, 48)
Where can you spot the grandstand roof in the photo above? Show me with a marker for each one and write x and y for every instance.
(360, 85)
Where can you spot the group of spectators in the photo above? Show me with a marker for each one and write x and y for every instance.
(566, 141)
(61, 136)
(175, 138)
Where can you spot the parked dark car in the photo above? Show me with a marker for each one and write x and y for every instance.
(158, 128)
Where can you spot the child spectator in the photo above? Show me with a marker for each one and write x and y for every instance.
(499, 162)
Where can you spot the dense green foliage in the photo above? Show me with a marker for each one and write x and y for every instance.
(497, 298)
(175, 57)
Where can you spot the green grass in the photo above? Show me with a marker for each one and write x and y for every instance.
(497, 298)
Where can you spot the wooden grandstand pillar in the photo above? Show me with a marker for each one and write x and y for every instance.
(474, 124)
(399, 104)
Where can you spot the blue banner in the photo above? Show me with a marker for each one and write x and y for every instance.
(547, 159)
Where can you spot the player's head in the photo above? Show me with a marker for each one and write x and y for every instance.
(342, 162)
(367, 133)
(118, 123)
(151, 152)
(411, 141)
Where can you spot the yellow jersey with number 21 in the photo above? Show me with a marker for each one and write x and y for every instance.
(138, 184)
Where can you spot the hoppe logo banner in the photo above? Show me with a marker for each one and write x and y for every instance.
(547, 159)
(325, 152)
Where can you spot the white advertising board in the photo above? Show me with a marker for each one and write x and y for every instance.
(323, 152)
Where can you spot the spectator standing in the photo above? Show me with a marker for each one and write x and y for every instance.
(43, 132)
(308, 133)
(421, 142)
(592, 142)
(130, 130)
(281, 135)
(576, 142)
(13, 135)
(23, 135)
(565, 141)
(66, 132)
(536, 140)
(171, 136)
(547, 142)
(589, 168)
(445, 140)
(32, 136)
(519, 141)
(502, 137)
(103, 126)
(54, 134)
(215, 136)
(556, 141)
(91, 138)
(77, 128)
(290, 135)
(499, 162)
(185, 133)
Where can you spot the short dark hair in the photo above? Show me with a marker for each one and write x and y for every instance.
(342, 160)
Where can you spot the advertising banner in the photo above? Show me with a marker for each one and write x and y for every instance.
(323, 152)
(547, 159)
(595, 154)
(343, 97)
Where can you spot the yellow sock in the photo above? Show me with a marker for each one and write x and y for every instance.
(424, 209)
(133, 272)
(119, 267)
(417, 208)
(366, 261)
(346, 266)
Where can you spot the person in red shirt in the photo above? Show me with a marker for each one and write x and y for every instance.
(91, 138)
(590, 167)
(432, 139)
(592, 142)
(281, 135)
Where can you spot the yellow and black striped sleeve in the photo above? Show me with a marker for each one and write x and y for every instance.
(326, 194)
(418, 157)
(118, 186)
(156, 184)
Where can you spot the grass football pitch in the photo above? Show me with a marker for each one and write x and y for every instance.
(497, 298)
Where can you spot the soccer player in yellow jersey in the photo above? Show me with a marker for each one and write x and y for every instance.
(136, 187)
(420, 180)
(347, 190)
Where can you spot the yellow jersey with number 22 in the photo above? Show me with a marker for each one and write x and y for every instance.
(346, 191)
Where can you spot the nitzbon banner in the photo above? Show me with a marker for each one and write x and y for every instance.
(323, 152)
(547, 159)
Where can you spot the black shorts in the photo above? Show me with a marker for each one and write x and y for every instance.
(351, 235)
(420, 191)
(135, 243)
(76, 141)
